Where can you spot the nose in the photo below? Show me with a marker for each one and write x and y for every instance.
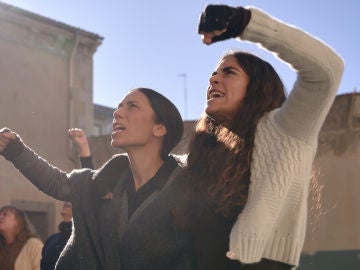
(214, 79)
(118, 113)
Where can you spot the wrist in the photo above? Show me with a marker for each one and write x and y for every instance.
(239, 20)
(13, 149)
(84, 154)
(83, 151)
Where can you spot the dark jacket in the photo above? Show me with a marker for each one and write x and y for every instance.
(103, 237)
(54, 245)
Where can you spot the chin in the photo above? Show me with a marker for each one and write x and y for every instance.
(118, 144)
(212, 114)
(114, 143)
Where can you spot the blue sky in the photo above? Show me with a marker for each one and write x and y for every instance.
(150, 43)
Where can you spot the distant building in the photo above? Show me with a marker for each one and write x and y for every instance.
(103, 117)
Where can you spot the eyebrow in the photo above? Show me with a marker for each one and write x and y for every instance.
(128, 102)
(224, 69)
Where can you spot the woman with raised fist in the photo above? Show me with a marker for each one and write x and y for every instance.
(252, 155)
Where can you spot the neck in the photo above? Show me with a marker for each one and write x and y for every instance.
(9, 238)
(144, 166)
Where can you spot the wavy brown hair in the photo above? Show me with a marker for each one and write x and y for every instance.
(220, 157)
(24, 230)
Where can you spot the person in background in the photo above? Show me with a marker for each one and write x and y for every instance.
(250, 161)
(20, 248)
(56, 242)
(135, 228)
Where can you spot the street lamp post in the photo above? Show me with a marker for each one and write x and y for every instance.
(185, 94)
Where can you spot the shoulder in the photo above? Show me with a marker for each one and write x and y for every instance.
(30, 255)
(34, 241)
(106, 177)
(52, 238)
(33, 244)
(181, 159)
(80, 180)
(113, 167)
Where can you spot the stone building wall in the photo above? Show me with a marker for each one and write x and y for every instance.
(46, 74)
(335, 223)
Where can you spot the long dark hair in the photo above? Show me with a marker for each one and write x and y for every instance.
(220, 157)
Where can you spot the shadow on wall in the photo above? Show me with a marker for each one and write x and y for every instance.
(331, 260)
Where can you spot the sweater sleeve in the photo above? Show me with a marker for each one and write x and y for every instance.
(319, 70)
(47, 178)
(86, 162)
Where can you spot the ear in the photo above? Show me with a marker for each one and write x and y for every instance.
(159, 130)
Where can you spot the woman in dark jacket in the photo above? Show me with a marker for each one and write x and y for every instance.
(134, 226)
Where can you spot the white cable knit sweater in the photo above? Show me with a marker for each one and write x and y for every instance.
(273, 222)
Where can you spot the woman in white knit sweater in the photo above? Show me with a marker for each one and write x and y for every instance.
(252, 154)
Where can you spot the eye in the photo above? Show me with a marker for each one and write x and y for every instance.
(132, 105)
(230, 71)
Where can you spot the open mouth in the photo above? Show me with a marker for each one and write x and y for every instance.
(118, 127)
(215, 94)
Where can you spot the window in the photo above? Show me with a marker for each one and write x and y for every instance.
(40, 214)
(97, 130)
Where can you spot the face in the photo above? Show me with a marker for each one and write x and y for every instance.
(226, 91)
(66, 211)
(134, 123)
(8, 222)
